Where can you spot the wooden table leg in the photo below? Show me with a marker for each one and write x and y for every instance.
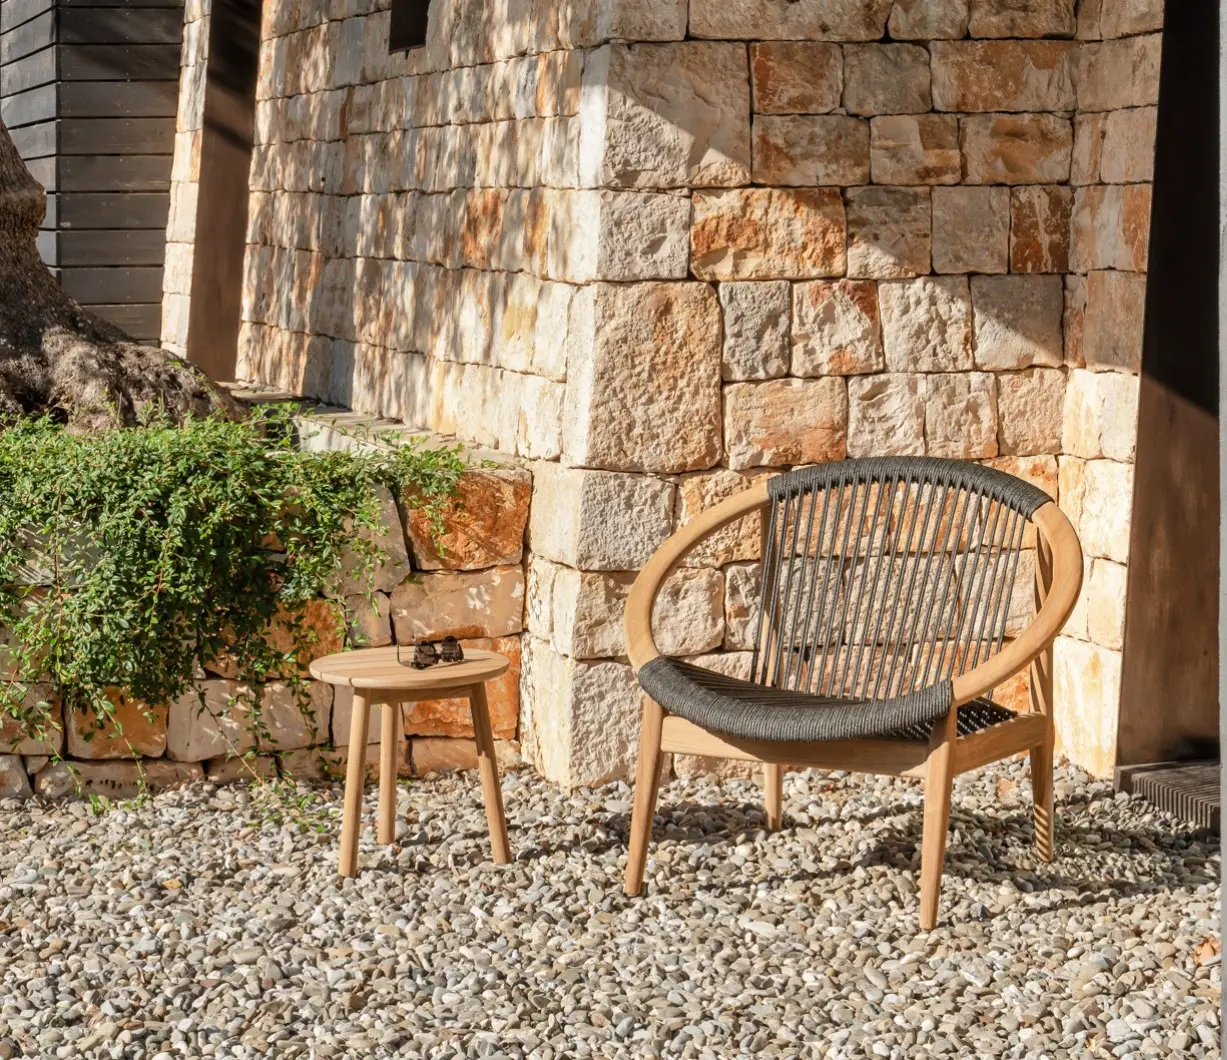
(351, 822)
(389, 745)
(492, 793)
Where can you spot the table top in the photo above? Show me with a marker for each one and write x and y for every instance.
(377, 668)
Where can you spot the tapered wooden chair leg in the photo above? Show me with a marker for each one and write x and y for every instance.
(647, 783)
(1041, 788)
(773, 782)
(355, 777)
(389, 746)
(939, 776)
(487, 763)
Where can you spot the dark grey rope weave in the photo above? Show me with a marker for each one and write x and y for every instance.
(871, 565)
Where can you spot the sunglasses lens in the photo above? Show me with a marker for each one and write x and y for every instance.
(424, 655)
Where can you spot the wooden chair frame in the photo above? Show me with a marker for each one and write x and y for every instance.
(1058, 581)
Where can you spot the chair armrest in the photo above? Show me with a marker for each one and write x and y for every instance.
(1062, 594)
(637, 621)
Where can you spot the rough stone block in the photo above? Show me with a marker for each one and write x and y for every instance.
(39, 736)
(484, 522)
(487, 603)
(114, 780)
(809, 149)
(886, 415)
(886, 79)
(318, 630)
(767, 234)
(369, 620)
(343, 716)
(1105, 603)
(435, 755)
(1022, 18)
(1029, 405)
(796, 77)
(14, 782)
(392, 566)
(597, 520)
(1074, 320)
(971, 230)
(199, 728)
(135, 730)
(1086, 685)
(242, 769)
(582, 718)
(834, 20)
(1039, 228)
(1097, 495)
(961, 416)
(1088, 148)
(926, 324)
(675, 115)
(1128, 152)
(688, 616)
(1112, 323)
(971, 76)
(742, 586)
(452, 716)
(836, 328)
(889, 232)
(1100, 415)
(1016, 148)
(755, 316)
(641, 236)
(705, 489)
(785, 421)
(648, 399)
(1124, 18)
(915, 149)
(1017, 321)
(928, 20)
(289, 722)
(1119, 73)
(1110, 227)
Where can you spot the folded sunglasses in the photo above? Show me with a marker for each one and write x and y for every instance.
(427, 653)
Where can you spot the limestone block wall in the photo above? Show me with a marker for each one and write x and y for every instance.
(660, 249)
(468, 584)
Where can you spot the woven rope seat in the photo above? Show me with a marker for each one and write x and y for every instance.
(902, 623)
(867, 563)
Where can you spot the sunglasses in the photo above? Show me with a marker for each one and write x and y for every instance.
(427, 653)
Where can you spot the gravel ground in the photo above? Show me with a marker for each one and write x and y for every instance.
(209, 922)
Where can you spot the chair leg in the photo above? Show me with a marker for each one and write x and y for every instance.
(773, 782)
(647, 783)
(492, 790)
(1041, 788)
(355, 777)
(389, 744)
(939, 776)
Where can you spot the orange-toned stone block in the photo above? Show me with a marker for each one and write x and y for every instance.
(438, 755)
(485, 523)
(321, 629)
(19, 738)
(135, 729)
(452, 717)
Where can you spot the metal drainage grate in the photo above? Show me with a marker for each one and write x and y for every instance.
(1188, 790)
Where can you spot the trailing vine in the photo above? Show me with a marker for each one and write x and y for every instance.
(132, 559)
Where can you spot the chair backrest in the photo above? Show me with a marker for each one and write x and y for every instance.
(884, 576)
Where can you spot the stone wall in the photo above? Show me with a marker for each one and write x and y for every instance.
(664, 248)
(468, 584)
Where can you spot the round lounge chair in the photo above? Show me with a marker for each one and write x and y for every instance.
(895, 598)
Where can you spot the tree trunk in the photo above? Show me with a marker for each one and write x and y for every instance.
(58, 359)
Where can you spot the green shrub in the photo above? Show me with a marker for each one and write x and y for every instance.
(154, 550)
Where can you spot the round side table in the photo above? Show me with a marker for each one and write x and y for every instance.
(376, 676)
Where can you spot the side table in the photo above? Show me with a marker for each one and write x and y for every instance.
(376, 676)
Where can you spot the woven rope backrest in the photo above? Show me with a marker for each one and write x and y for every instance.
(883, 576)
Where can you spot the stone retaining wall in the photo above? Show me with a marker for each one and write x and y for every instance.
(664, 248)
(473, 589)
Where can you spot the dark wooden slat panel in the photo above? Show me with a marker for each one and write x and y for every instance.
(119, 62)
(28, 72)
(83, 210)
(119, 99)
(14, 13)
(46, 243)
(25, 108)
(109, 286)
(117, 136)
(133, 246)
(29, 38)
(141, 321)
(115, 173)
(44, 171)
(117, 25)
(34, 141)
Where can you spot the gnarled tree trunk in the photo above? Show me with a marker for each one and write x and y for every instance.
(56, 357)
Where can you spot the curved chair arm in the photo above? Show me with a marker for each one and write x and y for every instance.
(1057, 533)
(637, 623)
